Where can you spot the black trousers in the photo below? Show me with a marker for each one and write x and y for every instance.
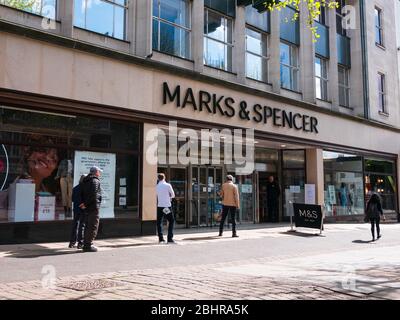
(225, 211)
(91, 227)
(272, 211)
(375, 222)
(78, 227)
(160, 220)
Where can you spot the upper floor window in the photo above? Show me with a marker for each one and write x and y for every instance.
(256, 55)
(45, 8)
(321, 78)
(340, 29)
(218, 43)
(289, 59)
(381, 82)
(378, 27)
(107, 17)
(344, 86)
(322, 17)
(258, 20)
(172, 27)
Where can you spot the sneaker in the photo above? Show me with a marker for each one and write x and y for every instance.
(71, 245)
(80, 246)
(235, 235)
(161, 241)
(90, 249)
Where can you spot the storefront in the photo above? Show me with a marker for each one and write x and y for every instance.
(44, 154)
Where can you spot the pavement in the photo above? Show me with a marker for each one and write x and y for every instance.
(266, 262)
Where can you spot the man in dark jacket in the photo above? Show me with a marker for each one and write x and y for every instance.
(78, 224)
(91, 202)
(273, 193)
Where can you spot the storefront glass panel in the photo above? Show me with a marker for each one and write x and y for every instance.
(43, 155)
(380, 178)
(343, 184)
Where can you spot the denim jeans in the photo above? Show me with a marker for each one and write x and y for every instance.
(225, 211)
(78, 227)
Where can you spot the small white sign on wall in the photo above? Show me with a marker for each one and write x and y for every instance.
(309, 194)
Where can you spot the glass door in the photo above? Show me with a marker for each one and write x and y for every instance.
(205, 200)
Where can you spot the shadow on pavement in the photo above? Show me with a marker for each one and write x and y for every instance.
(202, 238)
(362, 241)
(302, 234)
(36, 251)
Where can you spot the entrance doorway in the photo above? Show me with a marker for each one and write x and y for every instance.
(205, 201)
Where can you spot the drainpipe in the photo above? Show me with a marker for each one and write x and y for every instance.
(364, 59)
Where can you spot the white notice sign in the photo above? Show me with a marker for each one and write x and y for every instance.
(46, 208)
(295, 189)
(84, 160)
(309, 194)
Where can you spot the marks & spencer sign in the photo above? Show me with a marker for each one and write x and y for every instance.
(228, 107)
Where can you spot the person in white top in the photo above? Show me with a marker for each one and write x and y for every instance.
(165, 193)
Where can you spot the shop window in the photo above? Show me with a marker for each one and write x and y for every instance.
(107, 17)
(45, 8)
(172, 27)
(380, 178)
(343, 181)
(42, 159)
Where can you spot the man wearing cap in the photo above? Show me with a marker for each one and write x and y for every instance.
(230, 203)
(91, 196)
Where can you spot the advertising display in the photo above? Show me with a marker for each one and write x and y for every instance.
(84, 160)
(307, 216)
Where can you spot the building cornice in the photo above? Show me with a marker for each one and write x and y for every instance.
(55, 39)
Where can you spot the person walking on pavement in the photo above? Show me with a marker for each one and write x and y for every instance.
(273, 193)
(374, 213)
(165, 193)
(78, 224)
(91, 202)
(230, 203)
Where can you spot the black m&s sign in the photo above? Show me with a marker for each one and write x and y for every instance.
(307, 216)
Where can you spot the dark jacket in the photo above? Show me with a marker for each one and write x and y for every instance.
(91, 192)
(77, 199)
(374, 209)
(273, 191)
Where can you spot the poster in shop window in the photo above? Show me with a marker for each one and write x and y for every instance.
(84, 160)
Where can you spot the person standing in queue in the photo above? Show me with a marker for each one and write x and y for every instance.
(91, 197)
(165, 193)
(273, 193)
(230, 204)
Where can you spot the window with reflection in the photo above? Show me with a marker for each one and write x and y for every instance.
(43, 156)
(45, 8)
(172, 27)
(380, 178)
(107, 17)
(218, 42)
(289, 66)
(343, 184)
(256, 55)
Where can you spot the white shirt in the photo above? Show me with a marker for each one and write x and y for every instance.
(164, 194)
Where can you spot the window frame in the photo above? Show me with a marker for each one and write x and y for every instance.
(324, 80)
(114, 4)
(264, 58)
(292, 49)
(38, 13)
(339, 15)
(344, 86)
(382, 103)
(379, 27)
(188, 29)
(229, 66)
